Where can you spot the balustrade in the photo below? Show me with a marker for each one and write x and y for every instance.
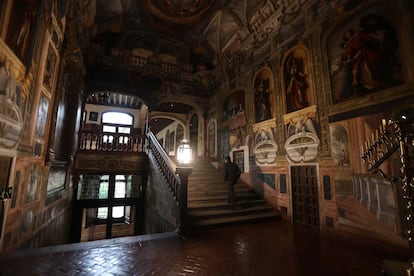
(110, 142)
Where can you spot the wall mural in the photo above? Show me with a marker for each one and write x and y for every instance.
(363, 56)
(233, 106)
(21, 28)
(265, 147)
(296, 80)
(339, 145)
(263, 95)
(303, 142)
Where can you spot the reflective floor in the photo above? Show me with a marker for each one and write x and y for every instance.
(270, 248)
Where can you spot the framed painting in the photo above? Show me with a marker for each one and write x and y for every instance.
(296, 79)
(42, 116)
(93, 116)
(363, 55)
(263, 95)
(50, 68)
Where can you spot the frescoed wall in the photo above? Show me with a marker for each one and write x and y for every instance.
(263, 95)
(364, 55)
(296, 79)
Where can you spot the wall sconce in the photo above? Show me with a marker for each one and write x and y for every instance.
(184, 153)
(6, 193)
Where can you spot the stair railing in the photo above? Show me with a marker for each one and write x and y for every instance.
(175, 177)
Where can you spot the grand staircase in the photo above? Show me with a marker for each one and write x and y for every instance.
(207, 199)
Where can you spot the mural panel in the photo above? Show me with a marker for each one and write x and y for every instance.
(263, 95)
(363, 55)
(296, 79)
(265, 147)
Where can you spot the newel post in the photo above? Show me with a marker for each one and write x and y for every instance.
(183, 225)
(184, 159)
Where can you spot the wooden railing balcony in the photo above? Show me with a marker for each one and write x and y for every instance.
(111, 142)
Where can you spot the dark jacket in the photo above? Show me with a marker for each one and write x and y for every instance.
(231, 172)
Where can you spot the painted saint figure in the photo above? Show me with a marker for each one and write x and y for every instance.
(296, 84)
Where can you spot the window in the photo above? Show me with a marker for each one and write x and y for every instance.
(116, 122)
(119, 192)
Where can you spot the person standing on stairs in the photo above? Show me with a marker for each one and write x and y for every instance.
(231, 177)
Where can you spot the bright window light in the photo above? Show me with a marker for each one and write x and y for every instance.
(117, 118)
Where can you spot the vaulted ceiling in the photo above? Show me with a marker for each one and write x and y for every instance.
(174, 52)
(161, 48)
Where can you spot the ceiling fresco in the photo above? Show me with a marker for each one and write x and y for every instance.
(169, 48)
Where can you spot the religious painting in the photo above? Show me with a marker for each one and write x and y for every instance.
(50, 68)
(363, 56)
(296, 79)
(42, 116)
(21, 28)
(339, 145)
(264, 145)
(263, 95)
(32, 180)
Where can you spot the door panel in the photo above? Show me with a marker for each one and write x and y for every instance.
(305, 201)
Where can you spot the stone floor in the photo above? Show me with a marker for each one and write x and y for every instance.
(269, 248)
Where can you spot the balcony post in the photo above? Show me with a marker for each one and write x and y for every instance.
(183, 226)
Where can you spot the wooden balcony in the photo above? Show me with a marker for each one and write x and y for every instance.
(110, 142)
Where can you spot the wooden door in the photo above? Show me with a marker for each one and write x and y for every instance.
(305, 201)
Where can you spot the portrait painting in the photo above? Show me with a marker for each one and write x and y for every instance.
(263, 95)
(363, 56)
(296, 79)
(42, 116)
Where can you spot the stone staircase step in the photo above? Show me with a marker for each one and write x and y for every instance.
(236, 218)
(207, 199)
(221, 204)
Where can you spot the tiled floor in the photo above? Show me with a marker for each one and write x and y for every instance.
(271, 248)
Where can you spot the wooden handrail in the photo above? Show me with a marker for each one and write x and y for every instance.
(110, 142)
